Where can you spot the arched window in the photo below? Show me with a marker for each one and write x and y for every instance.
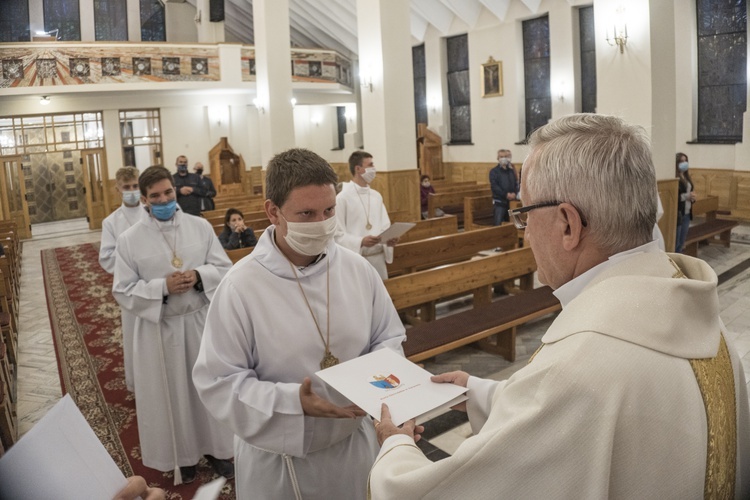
(536, 72)
(153, 21)
(111, 20)
(722, 69)
(459, 91)
(14, 21)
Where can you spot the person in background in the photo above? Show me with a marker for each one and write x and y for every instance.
(637, 390)
(190, 189)
(685, 201)
(425, 189)
(207, 199)
(298, 303)
(236, 234)
(130, 212)
(362, 215)
(504, 185)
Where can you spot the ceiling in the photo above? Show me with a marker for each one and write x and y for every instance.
(332, 24)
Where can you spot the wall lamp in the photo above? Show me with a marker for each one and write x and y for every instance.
(619, 31)
(365, 80)
(258, 105)
(45, 100)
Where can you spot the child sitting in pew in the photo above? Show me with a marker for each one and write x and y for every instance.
(236, 234)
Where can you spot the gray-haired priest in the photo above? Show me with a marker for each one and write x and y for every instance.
(636, 391)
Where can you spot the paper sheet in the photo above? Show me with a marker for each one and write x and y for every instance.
(396, 230)
(61, 458)
(384, 376)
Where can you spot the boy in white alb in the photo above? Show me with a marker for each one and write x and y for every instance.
(130, 212)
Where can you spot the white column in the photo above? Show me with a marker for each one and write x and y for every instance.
(134, 20)
(86, 13)
(385, 60)
(273, 77)
(208, 32)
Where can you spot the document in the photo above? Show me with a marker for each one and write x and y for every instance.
(384, 376)
(396, 230)
(60, 457)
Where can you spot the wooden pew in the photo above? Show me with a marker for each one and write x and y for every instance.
(237, 254)
(478, 212)
(432, 252)
(424, 288)
(244, 208)
(429, 228)
(453, 202)
(246, 200)
(215, 220)
(711, 230)
(440, 185)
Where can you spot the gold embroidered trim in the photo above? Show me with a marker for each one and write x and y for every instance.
(715, 379)
(716, 382)
(535, 353)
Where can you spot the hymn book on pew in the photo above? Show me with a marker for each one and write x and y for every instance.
(384, 376)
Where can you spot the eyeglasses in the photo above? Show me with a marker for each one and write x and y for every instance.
(520, 216)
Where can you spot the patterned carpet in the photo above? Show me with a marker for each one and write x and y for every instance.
(85, 321)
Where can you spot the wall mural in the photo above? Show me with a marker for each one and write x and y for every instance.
(75, 64)
(307, 66)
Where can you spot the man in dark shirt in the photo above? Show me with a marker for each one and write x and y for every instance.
(207, 201)
(189, 187)
(504, 184)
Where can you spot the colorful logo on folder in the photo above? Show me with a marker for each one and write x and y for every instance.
(383, 382)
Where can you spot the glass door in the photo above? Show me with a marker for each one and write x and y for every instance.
(94, 178)
(14, 204)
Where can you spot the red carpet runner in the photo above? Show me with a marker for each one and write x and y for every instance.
(85, 321)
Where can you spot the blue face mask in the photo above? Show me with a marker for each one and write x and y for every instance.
(164, 211)
(182, 169)
(682, 166)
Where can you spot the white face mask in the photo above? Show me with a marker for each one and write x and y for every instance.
(369, 175)
(309, 238)
(131, 197)
(504, 162)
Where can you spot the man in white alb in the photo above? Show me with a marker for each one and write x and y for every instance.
(166, 271)
(362, 215)
(298, 303)
(637, 390)
(127, 214)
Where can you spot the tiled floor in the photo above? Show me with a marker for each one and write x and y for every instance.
(39, 385)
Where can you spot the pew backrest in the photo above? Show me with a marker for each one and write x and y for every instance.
(429, 228)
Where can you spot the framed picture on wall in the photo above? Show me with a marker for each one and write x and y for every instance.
(492, 78)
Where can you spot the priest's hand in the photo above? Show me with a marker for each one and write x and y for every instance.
(392, 242)
(179, 282)
(370, 241)
(137, 488)
(385, 428)
(315, 406)
(456, 378)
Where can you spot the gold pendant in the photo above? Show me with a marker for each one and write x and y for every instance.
(328, 361)
(368, 226)
(176, 262)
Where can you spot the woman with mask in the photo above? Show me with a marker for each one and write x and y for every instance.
(236, 234)
(298, 303)
(685, 200)
(425, 189)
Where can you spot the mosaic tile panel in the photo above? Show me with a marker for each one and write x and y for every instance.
(12, 69)
(306, 66)
(170, 65)
(110, 66)
(54, 192)
(141, 66)
(79, 67)
(199, 65)
(46, 68)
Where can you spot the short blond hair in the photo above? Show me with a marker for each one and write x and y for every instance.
(126, 173)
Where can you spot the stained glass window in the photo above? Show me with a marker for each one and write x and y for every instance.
(63, 15)
(588, 59)
(536, 72)
(722, 69)
(111, 20)
(153, 23)
(420, 84)
(341, 125)
(459, 100)
(14, 21)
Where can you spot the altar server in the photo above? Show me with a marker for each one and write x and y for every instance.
(127, 214)
(166, 271)
(297, 304)
(637, 390)
(362, 215)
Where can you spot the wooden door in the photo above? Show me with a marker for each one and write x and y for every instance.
(94, 177)
(14, 205)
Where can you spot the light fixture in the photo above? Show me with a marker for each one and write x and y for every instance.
(293, 100)
(365, 80)
(561, 91)
(44, 100)
(258, 105)
(619, 31)
(433, 103)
